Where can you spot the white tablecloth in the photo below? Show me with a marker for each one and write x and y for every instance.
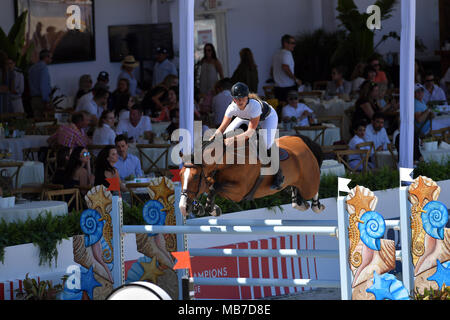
(22, 212)
(441, 122)
(332, 168)
(159, 127)
(384, 158)
(441, 155)
(32, 172)
(17, 145)
(331, 135)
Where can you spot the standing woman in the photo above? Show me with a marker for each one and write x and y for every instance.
(250, 109)
(210, 69)
(247, 71)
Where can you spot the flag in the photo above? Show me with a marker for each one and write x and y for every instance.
(405, 175)
(114, 184)
(176, 175)
(183, 261)
(343, 184)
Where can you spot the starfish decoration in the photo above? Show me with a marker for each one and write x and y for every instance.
(442, 274)
(423, 191)
(151, 271)
(381, 288)
(162, 191)
(88, 282)
(99, 200)
(360, 202)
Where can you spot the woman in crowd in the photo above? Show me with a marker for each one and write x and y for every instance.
(367, 105)
(154, 99)
(210, 69)
(78, 171)
(104, 167)
(247, 71)
(172, 103)
(128, 66)
(121, 96)
(357, 77)
(84, 86)
(104, 133)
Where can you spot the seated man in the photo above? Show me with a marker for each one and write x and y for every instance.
(96, 105)
(128, 164)
(136, 126)
(376, 133)
(299, 111)
(432, 91)
(422, 113)
(338, 86)
(72, 135)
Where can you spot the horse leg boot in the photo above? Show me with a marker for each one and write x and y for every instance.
(210, 200)
(297, 201)
(278, 179)
(317, 207)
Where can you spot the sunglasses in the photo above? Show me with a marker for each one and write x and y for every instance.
(86, 154)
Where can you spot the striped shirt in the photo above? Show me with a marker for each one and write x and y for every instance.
(70, 136)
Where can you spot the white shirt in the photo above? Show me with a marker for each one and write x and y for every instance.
(379, 138)
(104, 135)
(134, 132)
(220, 104)
(90, 107)
(252, 110)
(84, 99)
(352, 145)
(162, 70)
(124, 115)
(356, 84)
(289, 112)
(281, 78)
(437, 95)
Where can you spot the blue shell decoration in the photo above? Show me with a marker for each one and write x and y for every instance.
(68, 294)
(153, 214)
(136, 271)
(91, 226)
(442, 274)
(435, 219)
(372, 229)
(387, 287)
(88, 282)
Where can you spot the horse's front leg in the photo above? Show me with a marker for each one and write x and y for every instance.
(210, 199)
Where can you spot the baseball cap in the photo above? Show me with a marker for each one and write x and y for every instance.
(418, 86)
(103, 76)
(162, 50)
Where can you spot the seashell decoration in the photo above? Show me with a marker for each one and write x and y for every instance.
(153, 214)
(434, 219)
(372, 229)
(387, 287)
(91, 226)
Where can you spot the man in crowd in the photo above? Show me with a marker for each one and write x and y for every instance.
(376, 133)
(72, 135)
(163, 67)
(300, 111)
(221, 100)
(97, 104)
(283, 68)
(39, 81)
(432, 92)
(136, 126)
(422, 114)
(338, 86)
(128, 164)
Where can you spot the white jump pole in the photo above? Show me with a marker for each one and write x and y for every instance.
(405, 241)
(118, 271)
(346, 275)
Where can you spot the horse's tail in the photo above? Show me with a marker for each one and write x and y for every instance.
(314, 147)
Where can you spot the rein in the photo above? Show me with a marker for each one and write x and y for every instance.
(185, 192)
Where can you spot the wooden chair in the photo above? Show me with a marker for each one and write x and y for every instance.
(371, 150)
(342, 156)
(338, 121)
(50, 164)
(37, 191)
(154, 163)
(320, 85)
(441, 134)
(30, 154)
(319, 129)
(61, 195)
(136, 197)
(9, 181)
(329, 151)
(391, 148)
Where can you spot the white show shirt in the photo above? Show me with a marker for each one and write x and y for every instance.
(252, 110)
(281, 78)
(104, 136)
(134, 132)
(289, 112)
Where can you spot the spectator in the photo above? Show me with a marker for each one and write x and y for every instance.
(172, 103)
(163, 67)
(366, 106)
(84, 87)
(136, 126)
(127, 165)
(104, 134)
(338, 86)
(175, 121)
(17, 87)
(154, 98)
(78, 172)
(128, 65)
(87, 98)
(381, 77)
(62, 158)
(369, 74)
(221, 100)
(303, 115)
(283, 68)
(432, 92)
(422, 114)
(247, 71)
(357, 77)
(376, 133)
(97, 105)
(39, 81)
(210, 69)
(104, 167)
(73, 134)
(125, 113)
(121, 96)
(358, 138)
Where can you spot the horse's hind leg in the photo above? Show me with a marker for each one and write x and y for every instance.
(317, 207)
(297, 201)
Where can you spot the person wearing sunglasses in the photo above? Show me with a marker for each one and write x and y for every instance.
(381, 77)
(78, 170)
(338, 86)
(299, 111)
(432, 91)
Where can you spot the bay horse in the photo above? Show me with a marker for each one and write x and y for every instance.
(238, 182)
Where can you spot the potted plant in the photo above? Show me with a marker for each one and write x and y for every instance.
(33, 290)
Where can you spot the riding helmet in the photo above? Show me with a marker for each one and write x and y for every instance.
(240, 90)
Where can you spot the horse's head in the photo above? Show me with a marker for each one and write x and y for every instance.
(194, 182)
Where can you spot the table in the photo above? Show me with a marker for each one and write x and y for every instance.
(18, 144)
(441, 122)
(384, 158)
(332, 168)
(22, 212)
(31, 172)
(332, 135)
(440, 156)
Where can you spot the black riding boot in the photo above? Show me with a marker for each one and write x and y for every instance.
(278, 180)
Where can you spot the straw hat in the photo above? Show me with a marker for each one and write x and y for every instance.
(129, 61)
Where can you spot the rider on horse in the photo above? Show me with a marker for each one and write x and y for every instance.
(249, 108)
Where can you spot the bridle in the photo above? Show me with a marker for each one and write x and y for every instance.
(185, 192)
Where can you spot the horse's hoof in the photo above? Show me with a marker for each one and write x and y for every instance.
(301, 207)
(217, 212)
(318, 209)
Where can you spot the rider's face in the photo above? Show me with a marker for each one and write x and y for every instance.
(241, 102)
